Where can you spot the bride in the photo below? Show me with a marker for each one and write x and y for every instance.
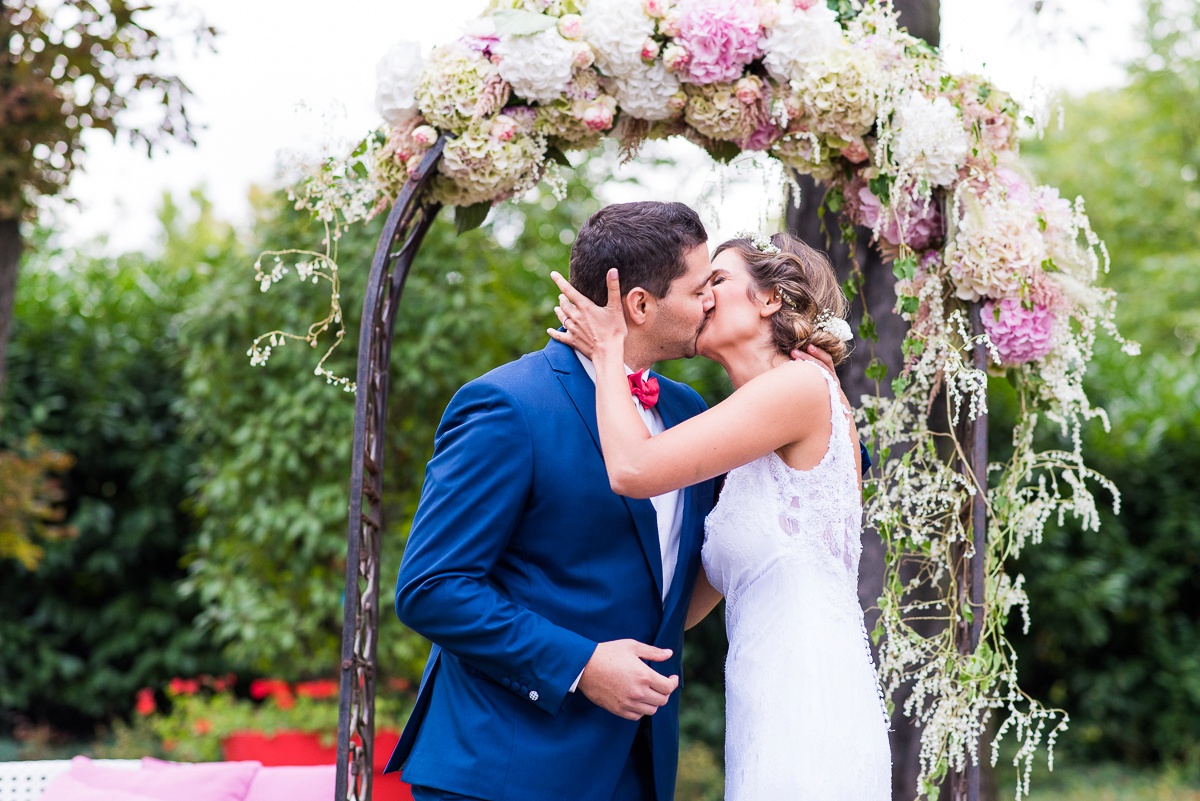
(805, 718)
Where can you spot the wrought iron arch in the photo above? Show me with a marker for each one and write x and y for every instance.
(407, 223)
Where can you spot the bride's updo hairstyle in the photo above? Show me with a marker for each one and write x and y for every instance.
(805, 281)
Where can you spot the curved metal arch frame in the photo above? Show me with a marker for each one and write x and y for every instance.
(406, 226)
(405, 229)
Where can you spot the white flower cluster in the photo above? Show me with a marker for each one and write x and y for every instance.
(396, 77)
(930, 142)
(539, 66)
(798, 38)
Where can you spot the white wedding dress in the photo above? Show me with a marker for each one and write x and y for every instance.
(805, 719)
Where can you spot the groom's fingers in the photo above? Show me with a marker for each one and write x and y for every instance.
(663, 685)
(650, 653)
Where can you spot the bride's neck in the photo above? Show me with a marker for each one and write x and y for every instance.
(749, 361)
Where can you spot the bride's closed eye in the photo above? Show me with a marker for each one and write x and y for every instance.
(718, 280)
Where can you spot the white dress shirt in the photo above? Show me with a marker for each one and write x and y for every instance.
(669, 506)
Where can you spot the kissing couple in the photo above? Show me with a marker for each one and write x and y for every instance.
(569, 530)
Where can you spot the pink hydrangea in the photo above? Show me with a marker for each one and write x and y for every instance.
(721, 36)
(1019, 334)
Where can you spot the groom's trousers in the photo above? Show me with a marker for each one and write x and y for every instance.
(636, 782)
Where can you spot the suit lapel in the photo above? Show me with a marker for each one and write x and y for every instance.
(582, 391)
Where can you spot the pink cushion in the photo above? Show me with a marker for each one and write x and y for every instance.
(208, 781)
(293, 783)
(65, 787)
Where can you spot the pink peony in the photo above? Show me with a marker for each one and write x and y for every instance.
(749, 89)
(504, 128)
(1019, 334)
(722, 37)
(598, 116)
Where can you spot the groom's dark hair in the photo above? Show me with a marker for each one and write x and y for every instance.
(646, 241)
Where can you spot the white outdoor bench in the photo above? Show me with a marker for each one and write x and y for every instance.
(26, 781)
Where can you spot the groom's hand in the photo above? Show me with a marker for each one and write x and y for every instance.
(814, 354)
(618, 679)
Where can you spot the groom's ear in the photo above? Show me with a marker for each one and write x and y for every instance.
(639, 306)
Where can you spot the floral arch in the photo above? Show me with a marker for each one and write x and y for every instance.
(995, 274)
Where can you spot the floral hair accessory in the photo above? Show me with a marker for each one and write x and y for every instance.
(834, 325)
(761, 242)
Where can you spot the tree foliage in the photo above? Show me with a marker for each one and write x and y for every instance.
(95, 370)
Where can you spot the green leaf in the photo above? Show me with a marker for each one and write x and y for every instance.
(899, 384)
(908, 304)
(835, 200)
(904, 269)
(866, 330)
(881, 187)
(468, 218)
(557, 156)
(850, 288)
(510, 22)
(876, 370)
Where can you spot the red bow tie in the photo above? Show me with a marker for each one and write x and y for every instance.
(644, 389)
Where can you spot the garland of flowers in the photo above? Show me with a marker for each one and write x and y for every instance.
(926, 159)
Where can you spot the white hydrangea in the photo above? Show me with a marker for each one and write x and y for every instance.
(539, 66)
(616, 30)
(396, 77)
(930, 140)
(644, 92)
(799, 37)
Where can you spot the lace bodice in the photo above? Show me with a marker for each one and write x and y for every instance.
(804, 715)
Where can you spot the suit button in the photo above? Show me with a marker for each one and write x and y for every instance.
(533, 695)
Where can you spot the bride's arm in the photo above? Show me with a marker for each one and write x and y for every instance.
(779, 407)
(704, 598)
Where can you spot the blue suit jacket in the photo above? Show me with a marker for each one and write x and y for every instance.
(521, 559)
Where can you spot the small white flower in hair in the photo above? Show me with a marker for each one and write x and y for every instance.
(834, 325)
(762, 242)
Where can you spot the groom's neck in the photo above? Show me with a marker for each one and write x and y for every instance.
(637, 355)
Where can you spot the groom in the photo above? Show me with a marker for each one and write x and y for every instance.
(555, 606)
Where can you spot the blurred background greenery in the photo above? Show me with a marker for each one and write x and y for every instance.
(208, 498)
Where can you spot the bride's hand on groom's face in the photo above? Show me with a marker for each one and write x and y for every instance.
(589, 327)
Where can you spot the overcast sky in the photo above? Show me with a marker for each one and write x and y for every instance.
(295, 78)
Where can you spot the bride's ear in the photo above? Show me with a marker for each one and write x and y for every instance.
(771, 305)
(639, 306)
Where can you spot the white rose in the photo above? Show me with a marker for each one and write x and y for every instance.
(396, 77)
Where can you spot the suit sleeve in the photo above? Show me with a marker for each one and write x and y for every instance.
(472, 501)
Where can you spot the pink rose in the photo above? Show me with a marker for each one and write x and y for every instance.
(649, 50)
(677, 101)
(675, 57)
(670, 23)
(768, 13)
(584, 56)
(656, 9)
(504, 128)
(856, 152)
(762, 138)
(424, 135)
(598, 117)
(749, 89)
(804, 5)
(570, 26)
